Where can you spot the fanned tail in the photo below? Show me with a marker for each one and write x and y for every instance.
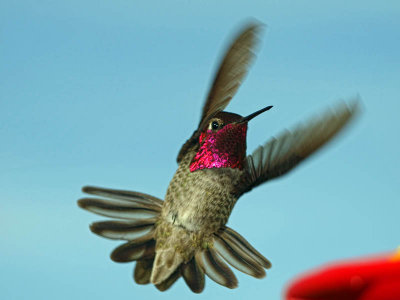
(230, 246)
(169, 265)
(137, 215)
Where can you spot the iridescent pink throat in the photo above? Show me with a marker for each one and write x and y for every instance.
(225, 148)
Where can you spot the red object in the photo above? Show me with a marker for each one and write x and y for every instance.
(376, 278)
(225, 148)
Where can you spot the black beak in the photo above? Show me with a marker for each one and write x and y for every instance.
(254, 114)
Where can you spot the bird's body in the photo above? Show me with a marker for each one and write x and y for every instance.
(201, 195)
(186, 235)
(200, 201)
(197, 205)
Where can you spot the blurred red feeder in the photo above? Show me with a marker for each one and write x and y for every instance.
(376, 278)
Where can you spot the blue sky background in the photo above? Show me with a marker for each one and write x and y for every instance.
(105, 93)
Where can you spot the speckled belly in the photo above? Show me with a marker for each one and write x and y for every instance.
(201, 200)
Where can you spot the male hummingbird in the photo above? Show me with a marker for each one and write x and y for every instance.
(186, 235)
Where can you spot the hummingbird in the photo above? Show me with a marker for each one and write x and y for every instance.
(186, 234)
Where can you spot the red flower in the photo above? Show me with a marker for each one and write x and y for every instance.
(376, 278)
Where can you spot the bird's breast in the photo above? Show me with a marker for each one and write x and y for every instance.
(201, 200)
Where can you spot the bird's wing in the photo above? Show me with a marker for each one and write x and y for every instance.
(228, 78)
(281, 154)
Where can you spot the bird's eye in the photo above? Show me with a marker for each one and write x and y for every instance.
(214, 125)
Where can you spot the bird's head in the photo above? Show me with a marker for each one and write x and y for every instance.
(223, 141)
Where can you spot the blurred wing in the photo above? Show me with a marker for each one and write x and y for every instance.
(230, 75)
(281, 154)
(231, 72)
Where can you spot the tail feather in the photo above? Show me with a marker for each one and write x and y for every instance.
(193, 276)
(229, 235)
(134, 250)
(124, 230)
(167, 283)
(118, 208)
(215, 268)
(123, 195)
(238, 258)
(143, 271)
(166, 262)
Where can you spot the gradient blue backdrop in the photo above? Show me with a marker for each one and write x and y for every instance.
(105, 93)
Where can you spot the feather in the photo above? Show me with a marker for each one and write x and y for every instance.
(134, 250)
(165, 263)
(124, 230)
(167, 283)
(237, 258)
(229, 76)
(281, 154)
(193, 276)
(231, 71)
(130, 196)
(118, 209)
(215, 268)
(142, 271)
(239, 244)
